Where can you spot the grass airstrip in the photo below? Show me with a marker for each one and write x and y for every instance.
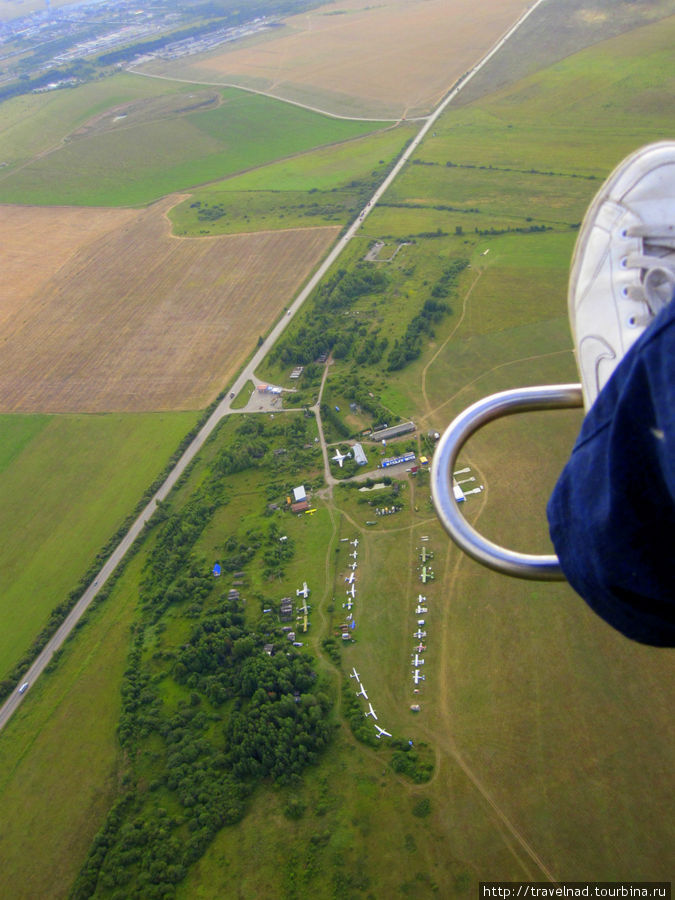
(551, 734)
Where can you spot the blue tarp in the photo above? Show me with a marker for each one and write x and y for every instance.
(216, 569)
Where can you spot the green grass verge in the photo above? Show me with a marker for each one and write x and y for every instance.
(243, 396)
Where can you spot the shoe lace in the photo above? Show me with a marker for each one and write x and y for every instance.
(657, 264)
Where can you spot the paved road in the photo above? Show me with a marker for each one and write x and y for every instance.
(224, 408)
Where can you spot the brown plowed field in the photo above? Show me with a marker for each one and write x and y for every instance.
(104, 310)
(389, 57)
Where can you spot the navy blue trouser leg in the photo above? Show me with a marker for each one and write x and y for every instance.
(612, 512)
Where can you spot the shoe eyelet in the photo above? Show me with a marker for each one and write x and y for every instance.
(632, 321)
(624, 291)
(623, 262)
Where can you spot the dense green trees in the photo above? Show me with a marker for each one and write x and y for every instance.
(326, 328)
(237, 715)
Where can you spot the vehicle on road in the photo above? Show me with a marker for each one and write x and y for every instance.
(24, 687)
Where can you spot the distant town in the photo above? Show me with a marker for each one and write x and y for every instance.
(72, 43)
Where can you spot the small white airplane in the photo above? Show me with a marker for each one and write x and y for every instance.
(355, 542)
(350, 578)
(352, 566)
(339, 458)
(362, 692)
(352, 592)
(348, 604)
(303, 591)
(418, 661)
(417, 677)
(381, 732)
(421, 598)
(371, 711)
(354, 674)
(419, 633)
(354, 554)
(420, 647)
(421, 609)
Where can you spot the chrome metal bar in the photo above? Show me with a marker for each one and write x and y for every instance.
(506, 403)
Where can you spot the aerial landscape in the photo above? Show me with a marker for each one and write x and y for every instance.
(256, 258)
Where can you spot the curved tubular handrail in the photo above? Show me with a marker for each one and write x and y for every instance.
(506, 403)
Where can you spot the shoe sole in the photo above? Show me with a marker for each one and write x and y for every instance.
(613, 190)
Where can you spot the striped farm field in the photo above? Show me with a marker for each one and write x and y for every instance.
(119, 315)
(393, 58)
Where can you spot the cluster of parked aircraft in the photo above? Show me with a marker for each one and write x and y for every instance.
(351, 578)
(304, 609)
(420, 633)
(351, 597)
(371, 712)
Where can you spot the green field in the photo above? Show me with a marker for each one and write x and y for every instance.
(33, 123)
(158, 151)
(66, 485)
(551, 735)
(64, 747)
(320, 187)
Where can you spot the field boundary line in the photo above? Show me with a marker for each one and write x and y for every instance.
(250, 90)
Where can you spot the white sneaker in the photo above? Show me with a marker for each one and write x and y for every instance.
(623, 268)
